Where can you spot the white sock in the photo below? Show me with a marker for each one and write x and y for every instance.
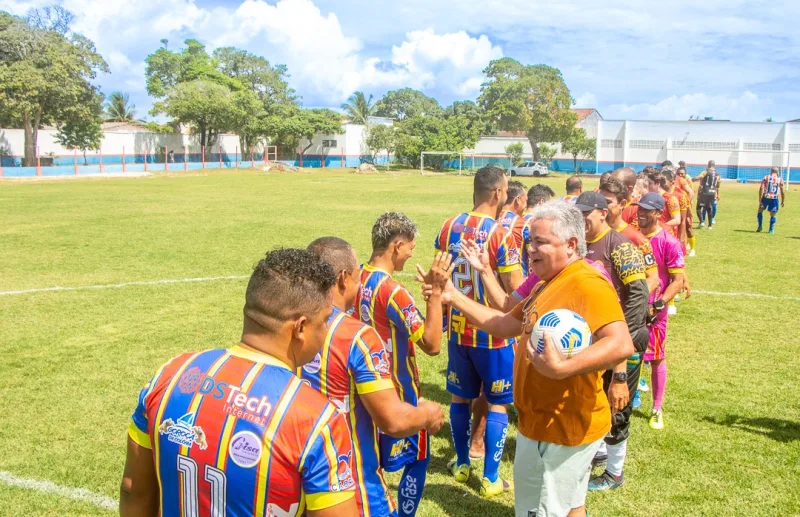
(602, 450)
(616, 458)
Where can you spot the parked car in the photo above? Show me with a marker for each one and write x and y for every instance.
(529, 169)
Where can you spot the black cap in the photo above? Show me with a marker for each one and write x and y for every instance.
(652, 201)
(589, 201)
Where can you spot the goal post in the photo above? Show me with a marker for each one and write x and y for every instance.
(742, 165)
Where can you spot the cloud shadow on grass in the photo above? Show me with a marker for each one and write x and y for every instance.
(783, 431)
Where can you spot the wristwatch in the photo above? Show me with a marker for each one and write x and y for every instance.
(621, 376)
(659, 305)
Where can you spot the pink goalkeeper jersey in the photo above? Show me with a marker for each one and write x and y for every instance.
(668, 254)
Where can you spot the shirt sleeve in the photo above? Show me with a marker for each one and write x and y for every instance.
(526, 288)
(327, 470)
(646, 249)
(138, 430)
(674, 206)
(628, 262)
(369, 363)
(503, 251)
(404, 313)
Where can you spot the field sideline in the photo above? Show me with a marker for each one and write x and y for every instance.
(74, 359)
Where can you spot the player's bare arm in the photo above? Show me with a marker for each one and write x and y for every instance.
(652, 280)
(431, 342)
(674, 287)
(138, 493)
(611, 345)
(512, 279)
(399, 419)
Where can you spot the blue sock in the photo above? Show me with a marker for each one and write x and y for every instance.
(459, 426)
(494, 440)
(411, 486)
(772, 221)
(760, 219)
(714, 210)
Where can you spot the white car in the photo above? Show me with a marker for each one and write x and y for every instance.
(529, 169)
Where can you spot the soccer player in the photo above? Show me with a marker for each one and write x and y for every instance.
(626, 264)
(353, 370)
(628, 178)
(708, 195)
(574, 189)
(387, 306)
(686, 186)
(669, 257)
(478, 361)
(537, 195)
(771, 185)
(671, 215)
(512, 216)
(234, 431)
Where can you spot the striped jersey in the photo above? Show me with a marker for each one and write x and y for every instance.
(771, 186)
(235, 432)
(503, 257)
(521, 233)
(353, 362)
(387, 306)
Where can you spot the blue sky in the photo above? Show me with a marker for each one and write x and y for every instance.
(728, 59)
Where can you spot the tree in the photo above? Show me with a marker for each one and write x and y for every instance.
(476, 117)
(421, 133)
(166, 69)
(209, 108)
(579, 146)
(269, 83)
(83, 130)
(45, 74)
(407, 103)
(381, 137)
(315, 121)
(119, 109)
(514, 152)
(358, 108)
(546, 153)
(529, 98)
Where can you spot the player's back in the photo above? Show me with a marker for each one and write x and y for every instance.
(387, 306)
(503, 257)
(235, 432)
(352, 361)
(771, 185)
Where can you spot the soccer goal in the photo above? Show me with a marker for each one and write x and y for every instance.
(748, 164)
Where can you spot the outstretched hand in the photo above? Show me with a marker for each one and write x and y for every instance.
(436, 282)
(476, 255)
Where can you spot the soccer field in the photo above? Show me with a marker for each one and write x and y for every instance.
(74, 360)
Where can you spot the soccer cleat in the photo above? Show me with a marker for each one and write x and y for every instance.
(691, 253)
(501, 486)
(759, 228)
(637, 401)
(714, 221)
(657, 420)
(677, 298)
(672, 310)
(599, 459)
(643, 387)
(460, 472)
(606, 481)
(709, 227)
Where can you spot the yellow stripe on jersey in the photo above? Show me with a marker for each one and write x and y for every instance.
(321, 423)
(160, 414)
(136, 434)
(375, 296)
(631, 278)
(358, 462)
(395, 376)
(362, 346)
(330, 453)
(230, 420)
(198, 397)
(323, 369)
(675, 270)
(324, 500)
(269, 435)
(372, 386)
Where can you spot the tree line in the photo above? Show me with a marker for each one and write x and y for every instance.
(46, 74)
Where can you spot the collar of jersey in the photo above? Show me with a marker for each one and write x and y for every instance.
(658, 229)
(257, 357)
(602, 234)
(623, 226)
(478, 214)
(367, 267)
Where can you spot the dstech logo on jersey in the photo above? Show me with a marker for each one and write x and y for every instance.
(237, 403)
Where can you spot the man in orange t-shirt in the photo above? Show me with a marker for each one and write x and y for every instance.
(563, 413)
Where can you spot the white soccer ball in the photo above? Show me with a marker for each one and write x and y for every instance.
(570, 333)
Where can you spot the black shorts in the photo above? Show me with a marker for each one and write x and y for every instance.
(706, 200)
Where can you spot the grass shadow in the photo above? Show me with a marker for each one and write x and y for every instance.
(747, 231)
(783, 431)
(790, 237)
(464, 501)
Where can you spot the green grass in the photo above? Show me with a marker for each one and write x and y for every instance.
(73, 361)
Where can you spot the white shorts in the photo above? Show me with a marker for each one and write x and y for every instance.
(550, 479)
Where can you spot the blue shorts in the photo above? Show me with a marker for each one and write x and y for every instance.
(468, 368)
(770, 205)
(396, 453)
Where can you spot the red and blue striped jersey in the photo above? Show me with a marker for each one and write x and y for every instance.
(771, 186)
(387, 306)
(503, 257)
(235, 432)
(353, 362)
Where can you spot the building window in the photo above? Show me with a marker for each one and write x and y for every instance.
(611, 144)
(646, 144)
(706, 146)
(794, 148)
(761, 146)
(329, 143)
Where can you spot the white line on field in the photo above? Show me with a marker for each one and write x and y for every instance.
(126, 284)
(242, 277)
(48, 487)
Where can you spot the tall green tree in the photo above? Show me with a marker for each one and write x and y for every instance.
(381, 137)
(475, 115)
(80, 134)
(165, 69)
(119, 108)
(421, 133)
(292, 125)
(579, 146)
(407, 103)
(514, 152)
(45, 74)
(530, 98)
(269, 83)
(359, 108)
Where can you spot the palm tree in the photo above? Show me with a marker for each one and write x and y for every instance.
(119, 109)
(358, 108)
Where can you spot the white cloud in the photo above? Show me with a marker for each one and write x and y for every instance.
(587, 100)
(746, 107)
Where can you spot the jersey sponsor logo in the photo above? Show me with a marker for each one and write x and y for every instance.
(380, 360)
(273, 510)
(237, 404)
(458, 227)
(411, 315)
(245, 449)
(500, 386)
(190, 380)
(184, 432)
(314, 365)
(500, 445)
(513, 256)
(409, 491)
(452, 378)
(343, 473)
(366, 294)
(473, 234)
(399, 447)
(342, 405)
(364, 313)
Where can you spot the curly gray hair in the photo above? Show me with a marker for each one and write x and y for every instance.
(567, 221)
(390, 226)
